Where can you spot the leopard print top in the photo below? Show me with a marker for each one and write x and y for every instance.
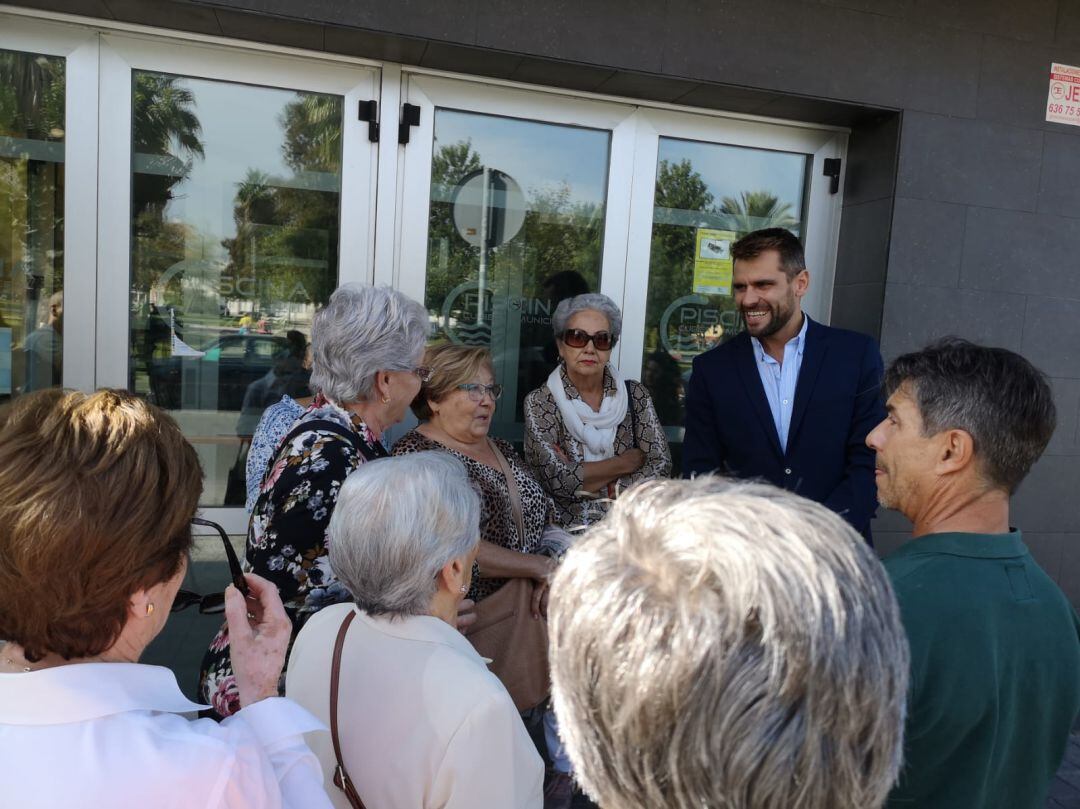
(497, 523)
(562, 475)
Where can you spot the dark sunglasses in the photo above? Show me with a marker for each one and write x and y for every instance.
(213, 603)
(576, 338)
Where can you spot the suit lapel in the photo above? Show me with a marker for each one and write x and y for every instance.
(813, 357)
(746, 365)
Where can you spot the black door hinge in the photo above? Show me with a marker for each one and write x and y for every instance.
(410, 117)
(369, 111)
(832, 171)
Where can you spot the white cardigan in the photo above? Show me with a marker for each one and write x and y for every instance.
(423, 723)
(108, 735)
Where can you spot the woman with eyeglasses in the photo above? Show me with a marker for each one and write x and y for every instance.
(97, 496)
(367, 344)
(456, 407)
(588, 433)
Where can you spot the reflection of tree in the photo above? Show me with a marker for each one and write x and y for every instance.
(285, 247)
(754, 210)
(31, 96)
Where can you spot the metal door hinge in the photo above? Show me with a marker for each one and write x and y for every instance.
(410, 117)
(369, 111)
(832, 171)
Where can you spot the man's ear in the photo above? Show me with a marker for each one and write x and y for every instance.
(956, 451)
(801, 282)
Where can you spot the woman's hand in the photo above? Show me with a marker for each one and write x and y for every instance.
(259, 632)
(466, 614)
(545, 567)
(633, 459)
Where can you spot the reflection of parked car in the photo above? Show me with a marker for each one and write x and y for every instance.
(218, 379)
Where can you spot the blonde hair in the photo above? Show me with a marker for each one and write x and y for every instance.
(729, 645)
(451, 365)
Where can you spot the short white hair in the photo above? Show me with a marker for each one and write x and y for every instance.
(397, 522)
(727, 644)
(363, 330)
(595, 301)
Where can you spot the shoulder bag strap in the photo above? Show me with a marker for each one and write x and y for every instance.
(511, 484)
(633, 414)
(341, 777)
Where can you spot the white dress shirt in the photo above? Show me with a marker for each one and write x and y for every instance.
(109, 735)
(423, 723)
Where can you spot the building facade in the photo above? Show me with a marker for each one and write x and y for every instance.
(196, 176)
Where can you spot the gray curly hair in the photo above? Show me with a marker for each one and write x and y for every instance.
(363, 330)
(568, 307)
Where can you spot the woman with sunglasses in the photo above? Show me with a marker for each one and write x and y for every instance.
(97, 497)
(367, 344)
(588, 434)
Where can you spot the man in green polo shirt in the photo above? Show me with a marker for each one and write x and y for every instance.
(995, 645)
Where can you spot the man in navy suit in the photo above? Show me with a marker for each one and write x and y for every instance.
(788, 400)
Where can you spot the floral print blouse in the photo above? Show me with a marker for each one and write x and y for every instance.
(497, 523)
(556, 457)
(287, 541)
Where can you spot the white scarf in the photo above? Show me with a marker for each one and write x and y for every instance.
(594, 431)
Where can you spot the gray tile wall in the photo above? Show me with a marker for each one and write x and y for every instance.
(962, 208)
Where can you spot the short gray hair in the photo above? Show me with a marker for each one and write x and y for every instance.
(363, 330)
(568, 307)
(716, 643)
(397, 522)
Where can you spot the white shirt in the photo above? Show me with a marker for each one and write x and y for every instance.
(423, 723)
(108, 735)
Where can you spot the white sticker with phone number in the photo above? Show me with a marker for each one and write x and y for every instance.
(1063, 99)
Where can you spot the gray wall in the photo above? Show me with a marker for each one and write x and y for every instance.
(962, 209)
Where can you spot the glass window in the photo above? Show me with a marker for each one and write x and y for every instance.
(707, 196)
(234, 243)
(31, 222)
(516, 224)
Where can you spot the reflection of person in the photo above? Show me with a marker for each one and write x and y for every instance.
(422, 721)
(588, 435)
(366, 345)
(694, 665)
(44, 348)
(996, 660)
(789, 400)
(245, 322)
(83, 591)
(662, 375)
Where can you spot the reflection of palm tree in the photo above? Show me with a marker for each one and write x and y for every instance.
(31, 96)
(754, 210)
(163, 117)
(312, 126)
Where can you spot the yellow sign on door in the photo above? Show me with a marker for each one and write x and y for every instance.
(712, 262)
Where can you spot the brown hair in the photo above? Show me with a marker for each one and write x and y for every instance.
(451, 365)
(96, 496)
(783, 241)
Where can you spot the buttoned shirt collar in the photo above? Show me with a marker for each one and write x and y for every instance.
(797, 342)
(83, 691)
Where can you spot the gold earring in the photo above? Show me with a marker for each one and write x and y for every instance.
(150, 608)
(385, 399)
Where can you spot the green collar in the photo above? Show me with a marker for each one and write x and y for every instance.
(976, 546)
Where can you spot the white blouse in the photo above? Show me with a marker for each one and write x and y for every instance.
(423, 723)
(109, 735)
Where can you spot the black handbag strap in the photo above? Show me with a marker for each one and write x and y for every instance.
(633, 414)
(341, 775)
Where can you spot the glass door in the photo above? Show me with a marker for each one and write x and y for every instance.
(512, 201)
(236, 193)
(706, 182)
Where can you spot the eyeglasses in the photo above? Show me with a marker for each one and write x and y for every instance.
(213, 603)
(477, 391)
(576, 338)
(423, 372)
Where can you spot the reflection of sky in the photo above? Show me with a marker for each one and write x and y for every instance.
(241, 131)
(540, 156)
(730, 170)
